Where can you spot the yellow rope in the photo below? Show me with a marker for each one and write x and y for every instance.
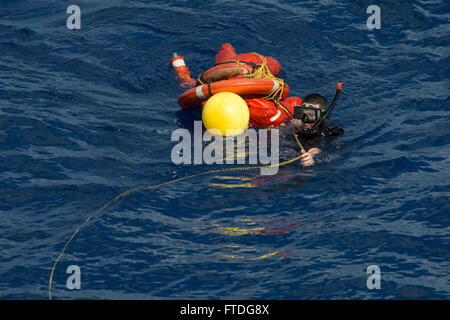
(262, 72)
(128, 192)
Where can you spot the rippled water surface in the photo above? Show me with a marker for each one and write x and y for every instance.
(88, 114)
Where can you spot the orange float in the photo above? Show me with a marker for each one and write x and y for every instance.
(182, 71)
(226, 70)
(246, 88)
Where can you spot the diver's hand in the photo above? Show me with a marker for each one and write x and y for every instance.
(308, 157)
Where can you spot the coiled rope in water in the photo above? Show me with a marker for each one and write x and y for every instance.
(145, 188)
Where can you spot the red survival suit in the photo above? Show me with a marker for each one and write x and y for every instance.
(263, 113)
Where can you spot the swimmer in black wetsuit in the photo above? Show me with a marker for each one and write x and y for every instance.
(311, 124)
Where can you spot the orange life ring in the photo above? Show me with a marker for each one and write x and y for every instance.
(226, 70)
(246, 88)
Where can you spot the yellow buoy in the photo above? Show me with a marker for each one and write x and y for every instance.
(226, 112)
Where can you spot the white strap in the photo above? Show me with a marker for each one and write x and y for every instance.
(275, 117)
(275, 87)
(178, 63)
(199, 93)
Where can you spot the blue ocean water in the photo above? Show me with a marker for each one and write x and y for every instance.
(88, 114)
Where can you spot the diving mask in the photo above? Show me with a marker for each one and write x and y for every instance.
(307, 113)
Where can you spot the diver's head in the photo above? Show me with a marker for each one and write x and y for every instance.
(316, 100)
(311, 110)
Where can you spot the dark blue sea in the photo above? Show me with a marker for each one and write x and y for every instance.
(88, 114)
